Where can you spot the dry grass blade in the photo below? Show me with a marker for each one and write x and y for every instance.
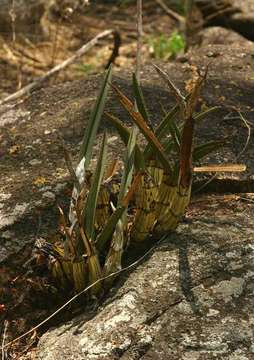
(111, 171)
(146, 131)
(221, 168)
(192, 100)
(70, 245)
(188, 132)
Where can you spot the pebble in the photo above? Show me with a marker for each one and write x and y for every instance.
(34, 162)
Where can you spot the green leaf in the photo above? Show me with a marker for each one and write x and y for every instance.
(91, 203)
(169, 146)
(125, 184)
(122, 129)
(109, 228)
(124, 133)
(94, 120)
(162, 129)
(202, 114)
(201, 151)
(140, 100)
(175, 134)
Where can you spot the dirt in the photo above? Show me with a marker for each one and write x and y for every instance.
(32, 54)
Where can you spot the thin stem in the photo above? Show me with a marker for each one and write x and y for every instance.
(139, 39)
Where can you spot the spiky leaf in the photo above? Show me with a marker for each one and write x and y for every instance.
(124, 133)
(91, 203)
(94, 120)
(146, 131)
(201, 151)
(140, 99)
(109, 228)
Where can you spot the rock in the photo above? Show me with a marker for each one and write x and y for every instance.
(246, 6)
(10, 217)
(10, 115)
(49, 196)
(220, 35)
(243, 21)
(184, 302)
(237, 15)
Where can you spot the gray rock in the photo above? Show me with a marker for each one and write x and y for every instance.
(220, 35)
(8, 218)
(181, 303)
(49, 196)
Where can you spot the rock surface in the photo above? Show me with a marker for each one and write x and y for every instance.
(31, 156)
(191, 299)
(237, 15)
(219, 35)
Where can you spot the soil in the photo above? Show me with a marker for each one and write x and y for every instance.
(33, 174)
(31, 55)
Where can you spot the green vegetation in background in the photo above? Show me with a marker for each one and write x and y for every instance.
(85, 68)
(164, 47)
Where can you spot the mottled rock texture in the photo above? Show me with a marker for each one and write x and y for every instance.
(193, 296)
(191, 299)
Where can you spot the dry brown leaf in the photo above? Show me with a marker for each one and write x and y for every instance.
(221, 168)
